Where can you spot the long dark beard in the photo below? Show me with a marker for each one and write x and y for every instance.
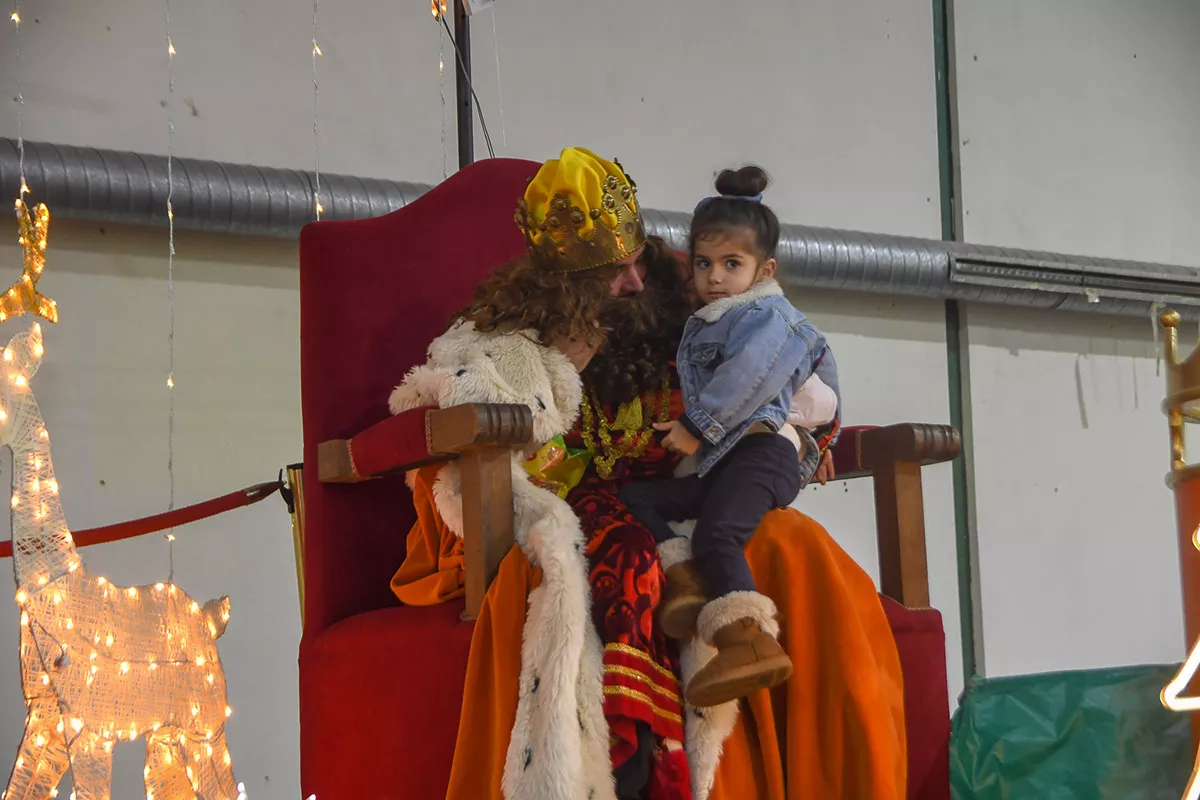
(644, 333)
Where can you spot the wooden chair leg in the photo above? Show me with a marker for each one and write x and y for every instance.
(295, 485)
(487, 518)
(900, 526)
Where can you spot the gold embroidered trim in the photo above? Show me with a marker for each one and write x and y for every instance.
(633, 694)
(633, 651)
(633, 443)
(350, 452)
(618, 669)
(428, 434)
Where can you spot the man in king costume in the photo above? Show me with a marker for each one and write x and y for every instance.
(835, 729)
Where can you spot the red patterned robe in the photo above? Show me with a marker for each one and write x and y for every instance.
(626, 576)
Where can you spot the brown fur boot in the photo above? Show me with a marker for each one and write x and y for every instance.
(742, 627)
(684, 600)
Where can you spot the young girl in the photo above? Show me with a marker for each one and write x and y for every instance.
(748, 363)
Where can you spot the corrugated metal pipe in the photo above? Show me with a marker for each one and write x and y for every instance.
(131, 188)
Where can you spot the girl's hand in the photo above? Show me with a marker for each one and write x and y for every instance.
(678, 439)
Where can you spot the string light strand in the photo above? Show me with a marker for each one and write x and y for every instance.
(316, 51)
(170, 285)
(442, 93)
(16, 20)
(499, 86)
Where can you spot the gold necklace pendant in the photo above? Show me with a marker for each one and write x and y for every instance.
(630, 420)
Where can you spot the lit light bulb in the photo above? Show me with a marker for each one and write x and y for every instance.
(37, 346)
(158, 587)
(76, 725)
(45, 680)
(108, 640)
(40, 741)
(199, 661)
(24, 618)
(21, 597)
(16, 18)
(101, 581)
(170, 48)
(170, 381)
(133, 591)
(124, 667)
(70, 624)
(228, 712)
(317, 49)
(195, 607)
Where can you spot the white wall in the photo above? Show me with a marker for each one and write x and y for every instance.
(1076, 121)
(102, 390)
(96, 75)
(834, 97)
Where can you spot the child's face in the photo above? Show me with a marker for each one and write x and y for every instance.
(727, 265)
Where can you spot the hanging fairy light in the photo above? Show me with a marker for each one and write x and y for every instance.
(316, 52)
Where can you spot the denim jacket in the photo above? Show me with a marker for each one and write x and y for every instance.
(741, 360)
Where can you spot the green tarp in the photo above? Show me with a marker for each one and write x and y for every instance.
(1087, 735)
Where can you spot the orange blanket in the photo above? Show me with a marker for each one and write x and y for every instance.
(834, 730)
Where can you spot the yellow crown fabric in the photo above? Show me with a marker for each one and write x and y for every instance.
(580, 212)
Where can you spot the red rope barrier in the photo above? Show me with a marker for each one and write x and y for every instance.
(169, 519)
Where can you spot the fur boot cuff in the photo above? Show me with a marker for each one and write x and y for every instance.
(675, 551)
(734, 606)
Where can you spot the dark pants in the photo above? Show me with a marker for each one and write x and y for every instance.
(759, 474)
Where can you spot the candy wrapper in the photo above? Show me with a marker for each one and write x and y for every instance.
(557, 467)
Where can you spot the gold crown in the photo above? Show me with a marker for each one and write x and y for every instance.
(580, 212)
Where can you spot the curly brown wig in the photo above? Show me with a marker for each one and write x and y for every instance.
(519, 296)
(638, 333)
(643, 329)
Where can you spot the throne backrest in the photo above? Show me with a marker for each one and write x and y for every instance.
(373, 294)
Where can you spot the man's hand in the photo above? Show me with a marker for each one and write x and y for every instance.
(825, 470)
(678, 439)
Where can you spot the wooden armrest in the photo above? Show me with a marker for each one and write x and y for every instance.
(422, 436)
(909, 441)
(480, 437)
(893, 456)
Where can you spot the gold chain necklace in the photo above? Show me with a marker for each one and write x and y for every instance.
(630, 418)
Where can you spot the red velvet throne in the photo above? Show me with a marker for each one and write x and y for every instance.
(380, 683)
